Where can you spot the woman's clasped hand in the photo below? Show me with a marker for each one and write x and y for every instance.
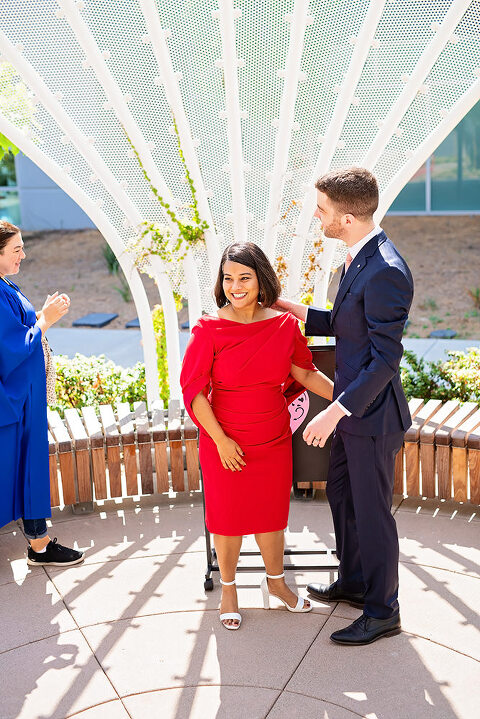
(54, 308)
(230, 454)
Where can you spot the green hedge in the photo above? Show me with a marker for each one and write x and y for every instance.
(91, 381)
(456, 378)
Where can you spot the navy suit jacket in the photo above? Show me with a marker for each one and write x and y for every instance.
(367, 320)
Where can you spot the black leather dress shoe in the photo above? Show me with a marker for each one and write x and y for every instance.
(335, 593)
(366, 630)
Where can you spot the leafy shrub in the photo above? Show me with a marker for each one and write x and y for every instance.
(456, 378)
(91, 381)
(158, 318)
(161, 343)
(475, 295)
(124, 289)
(111, 260)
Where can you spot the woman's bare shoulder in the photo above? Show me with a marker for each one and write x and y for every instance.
(224, 313)
(270, 312)
(203, 323)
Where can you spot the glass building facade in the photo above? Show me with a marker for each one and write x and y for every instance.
(449, 182)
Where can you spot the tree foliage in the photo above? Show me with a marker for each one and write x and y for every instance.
(15, 104)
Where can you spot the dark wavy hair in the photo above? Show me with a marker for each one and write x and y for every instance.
(7, 231)
(250, 254)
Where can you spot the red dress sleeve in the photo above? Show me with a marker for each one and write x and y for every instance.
(301, 357)
(197, 363)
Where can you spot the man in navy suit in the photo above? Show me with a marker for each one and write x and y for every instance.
(369, 415)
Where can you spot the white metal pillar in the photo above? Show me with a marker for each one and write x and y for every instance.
(108, 231)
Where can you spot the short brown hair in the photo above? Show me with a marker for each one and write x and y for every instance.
(354, 191)
(250, 254)
(7, 231)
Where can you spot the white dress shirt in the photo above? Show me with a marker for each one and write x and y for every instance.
(354, 250)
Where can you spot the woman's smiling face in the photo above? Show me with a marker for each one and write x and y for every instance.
(11, 256)
(240, 284)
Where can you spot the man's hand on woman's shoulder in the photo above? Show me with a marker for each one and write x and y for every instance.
(297, 309)
(281, 305)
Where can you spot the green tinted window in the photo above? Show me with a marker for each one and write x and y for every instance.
(412, 197)
(455, 173)
(456, 167)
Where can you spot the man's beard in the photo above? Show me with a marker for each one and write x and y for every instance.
(333, 231)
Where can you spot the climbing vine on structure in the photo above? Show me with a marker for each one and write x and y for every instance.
(163, 240)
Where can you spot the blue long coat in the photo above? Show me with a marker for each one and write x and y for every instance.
(24, 475)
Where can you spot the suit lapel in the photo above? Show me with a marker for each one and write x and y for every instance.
(356, 267)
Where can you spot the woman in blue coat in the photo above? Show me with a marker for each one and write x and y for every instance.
(24, 476)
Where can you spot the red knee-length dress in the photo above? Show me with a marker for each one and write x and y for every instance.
(244, 370)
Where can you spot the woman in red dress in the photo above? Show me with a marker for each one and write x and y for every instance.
(239, 371)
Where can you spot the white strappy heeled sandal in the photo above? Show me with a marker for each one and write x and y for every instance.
(300, 605)
(230, 615)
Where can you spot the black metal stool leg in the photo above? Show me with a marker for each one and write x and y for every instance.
(208, 583)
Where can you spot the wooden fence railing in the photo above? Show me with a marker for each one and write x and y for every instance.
(95, 455)
(441, 452)
(106, 453)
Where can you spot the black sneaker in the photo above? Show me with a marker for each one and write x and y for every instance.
(55, 555)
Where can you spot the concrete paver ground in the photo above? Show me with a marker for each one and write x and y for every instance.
(131, 633)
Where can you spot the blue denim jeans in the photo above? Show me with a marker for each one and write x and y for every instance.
(35, 528)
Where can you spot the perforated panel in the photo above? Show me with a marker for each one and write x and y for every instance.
(124, 86)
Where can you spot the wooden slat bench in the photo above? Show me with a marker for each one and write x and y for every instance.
(440, 457)
(97, 451)
(96, 454)
(465, 441)
(66, 460)
(112, 442)
(116, 452)
(411, 446)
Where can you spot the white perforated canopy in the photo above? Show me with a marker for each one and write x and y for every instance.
(265, 96)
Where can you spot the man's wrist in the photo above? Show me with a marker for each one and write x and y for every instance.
(336, 411)
(285, 304)
(295, 308)
(298, 310)
(345, 411)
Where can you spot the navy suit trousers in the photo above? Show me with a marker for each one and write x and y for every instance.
(360, 491)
